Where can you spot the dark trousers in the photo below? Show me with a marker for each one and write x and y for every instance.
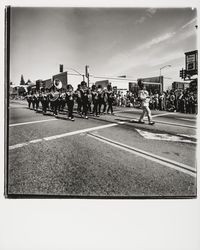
(85, 108)
(44, 106)
(55, 106)
(110, 107)
(29, 104)
(33, 104)
(102, 103)
(63, 105)
(70, 106)
(89, 107)
(95, 107)
(37, 104)
(79, 106)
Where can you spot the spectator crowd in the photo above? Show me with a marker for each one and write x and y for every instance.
(184, 101)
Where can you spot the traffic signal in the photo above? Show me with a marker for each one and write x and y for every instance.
(181, 73)
(184, 74)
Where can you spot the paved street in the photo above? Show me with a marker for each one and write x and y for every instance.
(105, 156)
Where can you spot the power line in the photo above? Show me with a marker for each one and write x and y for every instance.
(113, 78)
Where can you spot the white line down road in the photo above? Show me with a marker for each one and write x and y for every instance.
(144, 154)
(27, 123)
(61, 135)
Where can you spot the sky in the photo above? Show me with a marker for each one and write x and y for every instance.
(135, 42)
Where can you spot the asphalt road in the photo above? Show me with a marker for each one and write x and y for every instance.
(109, 156)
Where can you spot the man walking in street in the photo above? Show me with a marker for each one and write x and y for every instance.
(144, 98)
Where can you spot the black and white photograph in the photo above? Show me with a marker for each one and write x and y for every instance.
(101, 102)
(99, 125)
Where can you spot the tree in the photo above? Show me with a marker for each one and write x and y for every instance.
(22, 82)
(28, 82)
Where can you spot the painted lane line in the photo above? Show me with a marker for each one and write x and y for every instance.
(18, 145)
(160, 114)
(188, 136)
(147, 155)
(79, 132)
(61, 135)
(187, 119)
(35, 141)
(164, 137)
(25, 123)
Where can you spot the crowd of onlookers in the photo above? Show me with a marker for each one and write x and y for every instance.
(184, 101)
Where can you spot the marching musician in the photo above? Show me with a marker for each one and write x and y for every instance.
(37, 100)
(33, 100)
(29, 99)
(62, 100)
(45, 101)
(102, 99)
(79, 99)
(70, 96)
(89, 100)
(110, 96)
(85, 99)
(53, 97)
(95, 100)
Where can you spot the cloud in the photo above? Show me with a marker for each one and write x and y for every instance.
(157, 40)
(141, 20)
(151, 12)
(189, 23)
(148, 13)
(167, 58)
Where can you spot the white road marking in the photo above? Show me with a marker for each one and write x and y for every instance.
(62, 135)
(189, 136)
(18, 145)
(160, 114)
(121, 122)
(186, 119)
(163, 137)
(25, 123)
(147, 155)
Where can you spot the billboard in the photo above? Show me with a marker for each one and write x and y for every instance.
(191, 62)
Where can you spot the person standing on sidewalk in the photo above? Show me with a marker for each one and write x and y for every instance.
(144, 98)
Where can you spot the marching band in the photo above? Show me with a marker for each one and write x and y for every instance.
(94, 100)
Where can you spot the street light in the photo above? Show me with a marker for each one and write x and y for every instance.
(164, 67)
(160, 73)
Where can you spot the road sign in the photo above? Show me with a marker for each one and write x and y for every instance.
(191, 62)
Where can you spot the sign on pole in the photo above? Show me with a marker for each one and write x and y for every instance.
(191, 62)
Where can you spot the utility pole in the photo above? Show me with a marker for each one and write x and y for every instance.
(87, 74)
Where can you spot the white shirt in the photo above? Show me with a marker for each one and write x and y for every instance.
(144, 97)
